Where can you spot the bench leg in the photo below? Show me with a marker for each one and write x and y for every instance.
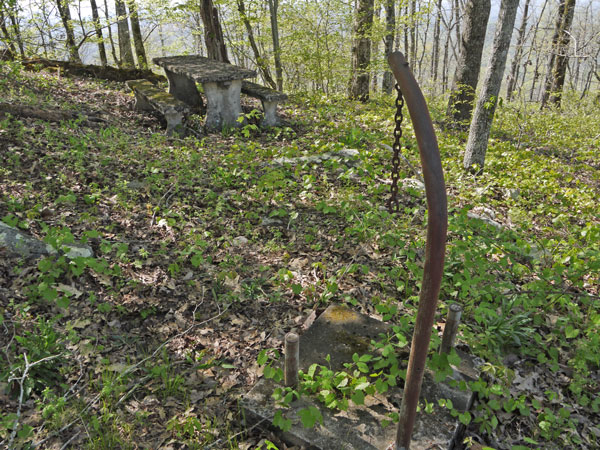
(223, 104)
(174, 123)
(141, 103)
(271, 118)
(184, 89)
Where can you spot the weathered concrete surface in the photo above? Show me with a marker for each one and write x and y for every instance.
(269, 98)
(223, 104)
(222, 85)
(341, 332)
(148, 97)
(20, 243)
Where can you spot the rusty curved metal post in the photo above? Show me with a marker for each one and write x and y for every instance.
(437, 225)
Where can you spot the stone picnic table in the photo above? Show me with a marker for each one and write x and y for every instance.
(222, 84)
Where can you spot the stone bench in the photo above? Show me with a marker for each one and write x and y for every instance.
(269, 98)
(148, 97)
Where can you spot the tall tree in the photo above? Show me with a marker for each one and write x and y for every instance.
(557, 68)
(124, 37)
(481, 124)
(273, 7)
(361, 50)
(136, 33)
(460, 104)
(7, 39)
(213, 33)
(514, 67)
(65, 16)
(98, 28)
(260, 61)
(388, 43)
(435, 57)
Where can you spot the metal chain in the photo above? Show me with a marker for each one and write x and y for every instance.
(392, 204)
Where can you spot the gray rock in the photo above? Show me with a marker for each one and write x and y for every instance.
(487, 220)
(272, 222)
(20, 243)
(413, 184)
(512, 193)
(240, 241)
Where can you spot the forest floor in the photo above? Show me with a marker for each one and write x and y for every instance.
(206, 252)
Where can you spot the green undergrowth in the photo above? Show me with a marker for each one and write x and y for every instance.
(158, 333)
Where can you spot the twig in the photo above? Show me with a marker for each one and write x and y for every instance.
(159, 202)
(415, 171)
(21, 382)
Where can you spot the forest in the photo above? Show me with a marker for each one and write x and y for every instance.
(149, 277)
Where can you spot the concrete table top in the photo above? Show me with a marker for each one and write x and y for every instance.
(202, 69)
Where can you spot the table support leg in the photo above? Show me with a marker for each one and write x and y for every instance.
(184, 89)
(223, 104)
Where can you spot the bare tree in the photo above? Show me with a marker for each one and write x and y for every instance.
(65, 17)
(460, 104)
(435, 56)
(213, 33)
(557, 67)
(124, 37)
(361, 50)
(98, 29)
(514, 67)
(390, 26)
(136, 33)
(481, 124)
(273, 7)
(260, 61)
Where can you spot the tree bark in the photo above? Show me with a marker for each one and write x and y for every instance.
(7, 38)
(213, 33)
(136, 33)
(435, 57)
(101, 48)
(390, 27)
(124, 37)
(65, 17)
(361, 51)
(460, 104)
(110, 36)
(555, 78)
(375, 51)
(479, 131)
(260, 61)
(514, 68)
(273, 7)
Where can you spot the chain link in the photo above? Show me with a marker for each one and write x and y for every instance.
(392, 204)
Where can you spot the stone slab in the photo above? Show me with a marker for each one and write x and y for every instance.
(203, 69)
(341, 332)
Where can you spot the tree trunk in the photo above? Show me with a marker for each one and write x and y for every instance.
(435, 57)
(536, 70)
(413, 32)
(514, 68)
(65, 17)
(390, 26)
(479, 131)
(375, 51)
(110, 36)
(273, 6)
(555, 78)
(101, 48)
(17, 31)
(260, 61)
(136, 32)
(460, 104)
(8, 41)
(361, 51)
(213, 33)
(124, 38)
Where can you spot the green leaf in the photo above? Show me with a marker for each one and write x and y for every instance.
(62, 302)
(465, 418)
(310, 416)
(296, 289)
(280, 421)
(358, 398)
(262, 357)
(571, 332)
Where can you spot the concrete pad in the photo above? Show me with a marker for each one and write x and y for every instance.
(341, 332)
